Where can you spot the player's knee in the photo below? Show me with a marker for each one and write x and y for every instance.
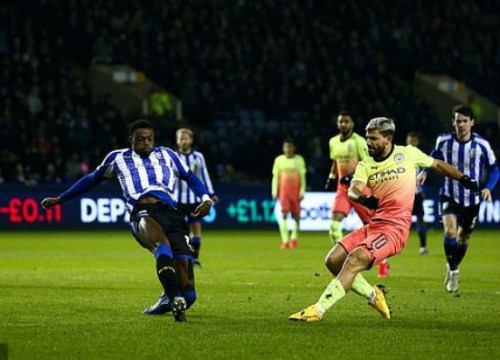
(450, 231)
(332, 265)
(335, 259)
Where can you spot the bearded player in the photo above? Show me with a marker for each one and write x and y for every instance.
(347, 149)
(390, 173)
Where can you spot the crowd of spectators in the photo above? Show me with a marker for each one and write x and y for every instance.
(51, 130)
(248, 73)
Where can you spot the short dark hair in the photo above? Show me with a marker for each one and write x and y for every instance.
(347, 113)
(289, 140)
(139, 124)
(413, 134)
(464, 110)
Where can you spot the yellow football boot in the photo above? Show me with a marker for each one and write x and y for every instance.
(309, 314)
(380, 302)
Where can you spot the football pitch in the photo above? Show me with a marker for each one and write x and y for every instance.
(80, 295)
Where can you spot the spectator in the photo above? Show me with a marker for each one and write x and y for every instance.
(294, 64)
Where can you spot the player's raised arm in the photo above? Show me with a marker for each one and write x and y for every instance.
(447, 170)
(83, 185)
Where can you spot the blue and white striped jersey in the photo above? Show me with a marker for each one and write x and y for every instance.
(153, 175)
(471, 158)
(196, 163)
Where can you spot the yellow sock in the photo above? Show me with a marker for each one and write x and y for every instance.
(333, 293)
(335, 232)
(285, 236)
(295, 230)
(362, 287)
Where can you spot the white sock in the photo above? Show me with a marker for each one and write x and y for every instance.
(372, 297)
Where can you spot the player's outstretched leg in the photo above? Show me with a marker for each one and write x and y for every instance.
(379, 301)
(362, 287)
(309, 314)
(332, 293)
(161, 307)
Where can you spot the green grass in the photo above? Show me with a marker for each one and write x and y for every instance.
(79, 295)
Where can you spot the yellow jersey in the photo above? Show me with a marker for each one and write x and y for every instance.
(348, 153)
(289, 175)
(393, 181)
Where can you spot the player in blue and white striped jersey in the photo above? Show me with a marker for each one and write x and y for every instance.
(459, 207)
(147, 175)
(186, 198)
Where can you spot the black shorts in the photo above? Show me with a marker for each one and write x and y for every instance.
(172, 223)
(186, 210)
(466, 216)
(418, 204)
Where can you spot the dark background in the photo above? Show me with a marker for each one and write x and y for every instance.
(248, 73)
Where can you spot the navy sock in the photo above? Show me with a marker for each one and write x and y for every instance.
(461, 250)
(195, 243)
(166, 271)
(422, 234)
(189, 293)
(450, 249)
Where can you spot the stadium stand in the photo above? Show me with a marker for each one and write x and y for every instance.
(248, 73)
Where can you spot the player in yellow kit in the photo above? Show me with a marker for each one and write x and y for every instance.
(390, 173)
(346, 150)
(289, 185)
